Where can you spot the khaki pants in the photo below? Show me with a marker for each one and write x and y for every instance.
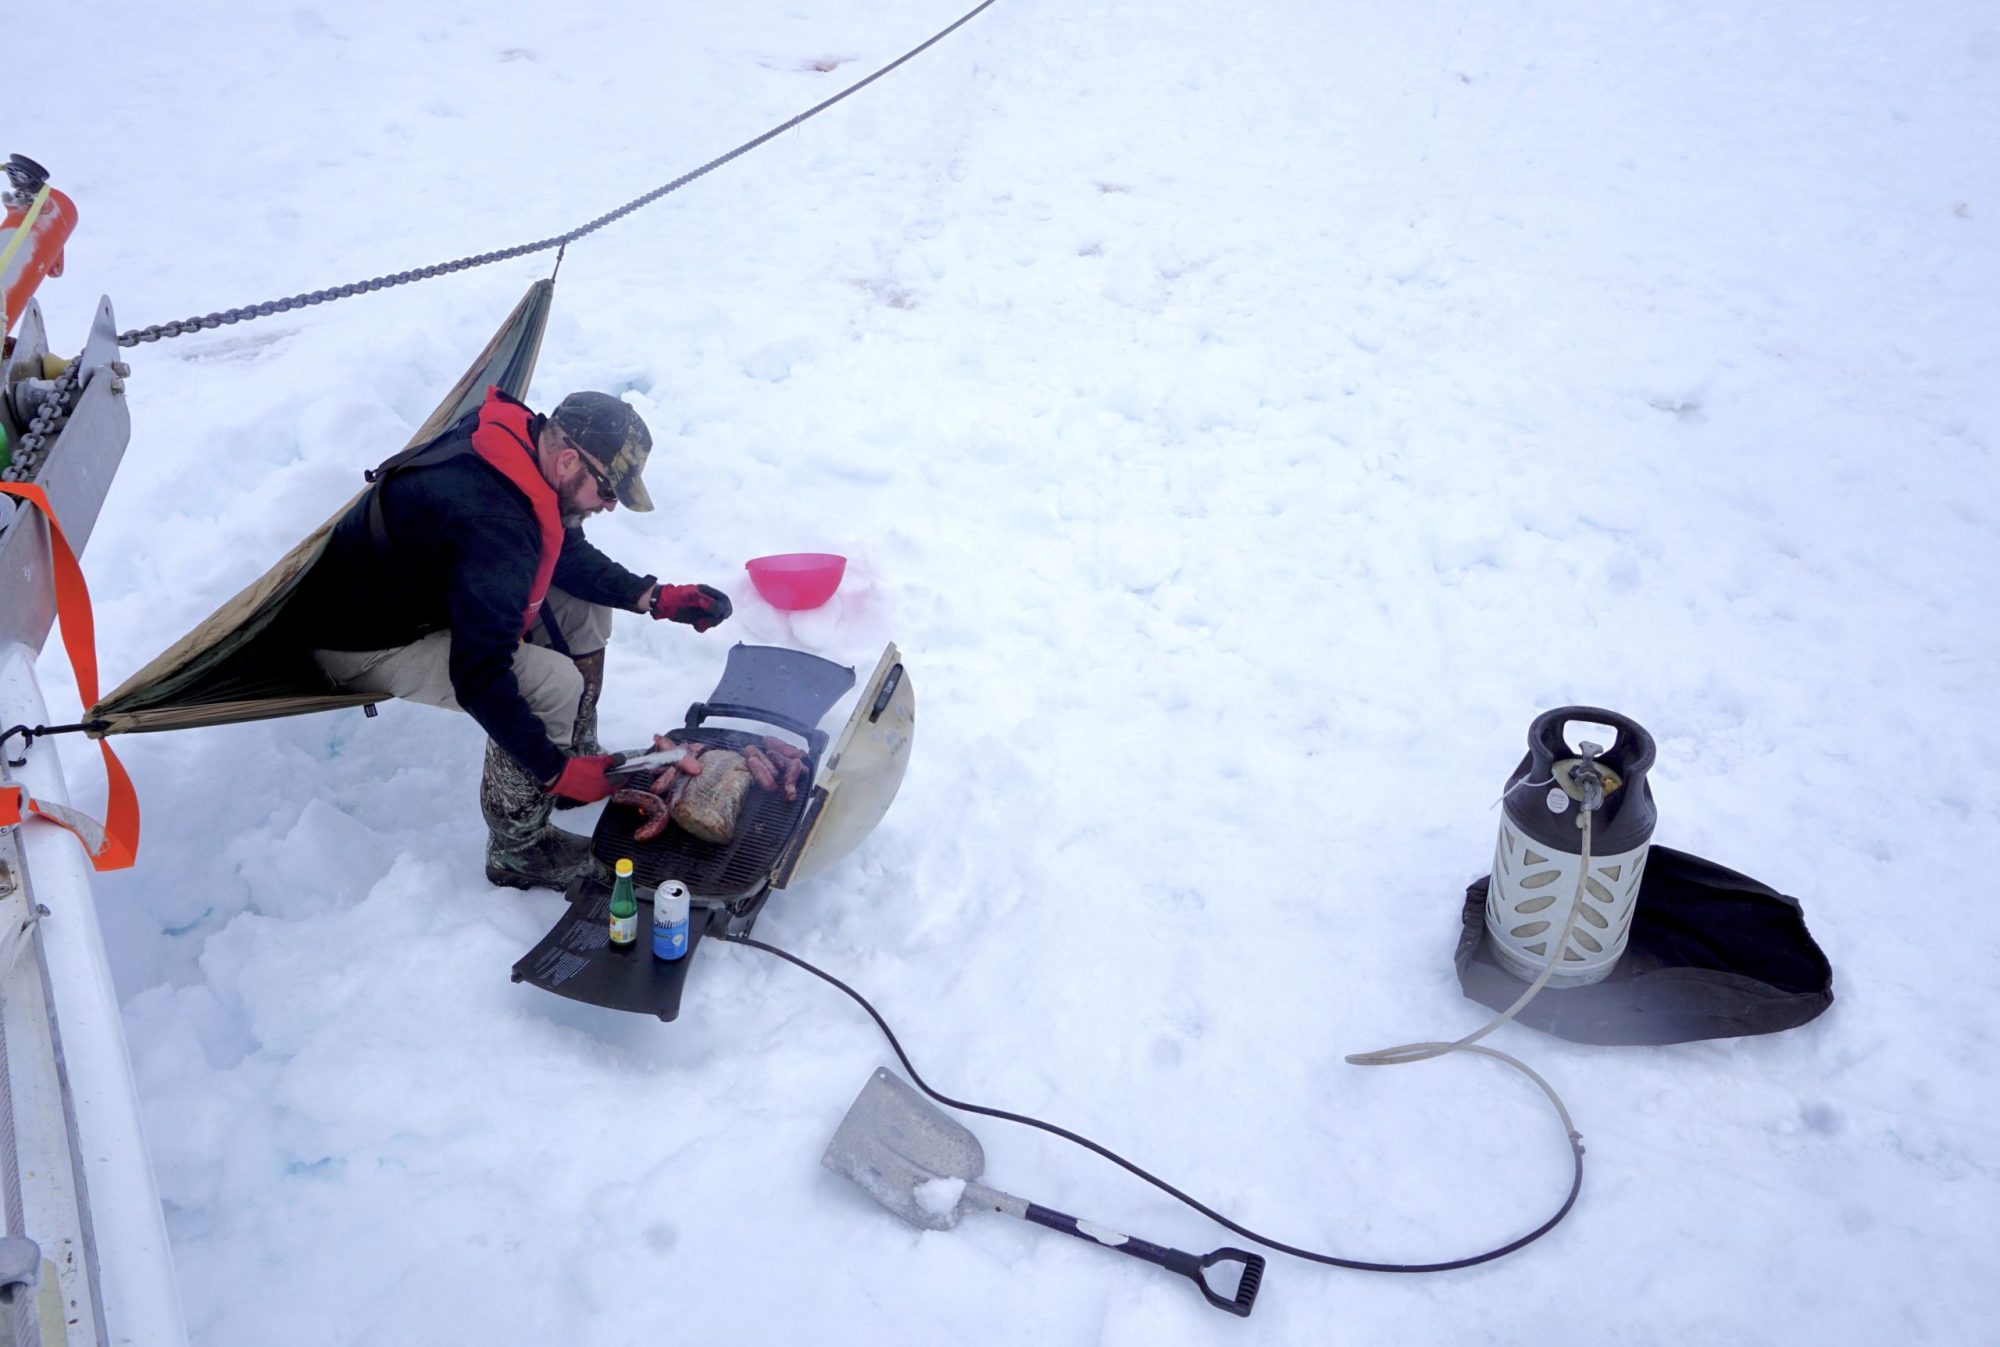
(421, 671)
(586, 627)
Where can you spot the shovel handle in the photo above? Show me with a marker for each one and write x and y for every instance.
(1189, 1265)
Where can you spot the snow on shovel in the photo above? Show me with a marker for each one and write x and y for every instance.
(924, 1167)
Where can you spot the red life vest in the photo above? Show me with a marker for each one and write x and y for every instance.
(504, 438)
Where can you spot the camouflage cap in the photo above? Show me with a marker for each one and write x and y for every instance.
(611, 432)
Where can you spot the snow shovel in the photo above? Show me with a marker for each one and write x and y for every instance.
(923, 1166)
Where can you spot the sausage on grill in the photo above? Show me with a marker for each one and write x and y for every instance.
(652, 806)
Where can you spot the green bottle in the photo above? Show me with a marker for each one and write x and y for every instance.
(624, 908)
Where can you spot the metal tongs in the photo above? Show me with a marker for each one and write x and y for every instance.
(651, 761)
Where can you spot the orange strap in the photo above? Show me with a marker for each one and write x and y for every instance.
(113, 843)
(502, 439)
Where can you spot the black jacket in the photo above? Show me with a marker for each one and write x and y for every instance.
(463, 548)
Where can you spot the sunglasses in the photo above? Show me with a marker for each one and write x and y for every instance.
(605, 491)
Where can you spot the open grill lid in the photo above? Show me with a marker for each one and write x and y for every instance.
(787, 688)
(859, 778)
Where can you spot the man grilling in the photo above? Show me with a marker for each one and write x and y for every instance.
(463, 580)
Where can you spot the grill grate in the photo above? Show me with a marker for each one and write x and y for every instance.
(723, 872)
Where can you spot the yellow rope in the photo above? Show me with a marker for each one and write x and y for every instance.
(21, 234)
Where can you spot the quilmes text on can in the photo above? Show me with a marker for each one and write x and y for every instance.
(670, 920)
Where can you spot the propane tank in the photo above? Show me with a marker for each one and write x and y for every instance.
(1538, 859)
(39, 222)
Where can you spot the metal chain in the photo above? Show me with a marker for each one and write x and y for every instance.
(158, 331)
(42, 429)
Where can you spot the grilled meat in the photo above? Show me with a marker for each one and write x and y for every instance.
(714, 800)
(704, 792)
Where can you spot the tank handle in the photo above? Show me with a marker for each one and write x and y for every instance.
(1630, 755)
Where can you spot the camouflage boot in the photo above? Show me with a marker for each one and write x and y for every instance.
(523, 851)
(583, 742)
(583, 739)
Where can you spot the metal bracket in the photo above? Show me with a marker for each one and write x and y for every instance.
(100, 348)
(16, 923)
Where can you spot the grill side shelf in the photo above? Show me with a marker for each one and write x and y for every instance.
(576, 959)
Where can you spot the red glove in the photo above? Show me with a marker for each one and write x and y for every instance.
(699, 606)
(583, 779)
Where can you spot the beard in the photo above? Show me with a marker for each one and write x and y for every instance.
(578, 502)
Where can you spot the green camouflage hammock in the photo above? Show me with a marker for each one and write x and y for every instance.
(224, 671)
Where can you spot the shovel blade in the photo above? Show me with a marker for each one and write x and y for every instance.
(904, 1152)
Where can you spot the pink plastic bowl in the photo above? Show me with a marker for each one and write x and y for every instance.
(797, 580)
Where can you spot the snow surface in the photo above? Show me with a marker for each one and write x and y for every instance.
(1245, 419)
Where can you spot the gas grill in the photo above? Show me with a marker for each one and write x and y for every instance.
(848, 787)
